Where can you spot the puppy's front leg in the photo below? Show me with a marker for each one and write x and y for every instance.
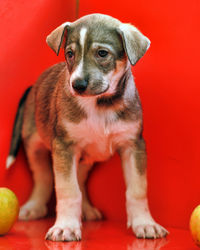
(133, 159)
(68, 218)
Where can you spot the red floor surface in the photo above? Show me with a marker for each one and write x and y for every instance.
(96, 235)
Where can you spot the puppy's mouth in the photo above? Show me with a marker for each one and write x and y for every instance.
(100, 92)
(89, 92)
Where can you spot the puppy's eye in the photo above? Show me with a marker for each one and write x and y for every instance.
(102, 53)
(70, 54)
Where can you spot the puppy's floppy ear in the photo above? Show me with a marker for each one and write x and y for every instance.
(134, 42)
(55, 39)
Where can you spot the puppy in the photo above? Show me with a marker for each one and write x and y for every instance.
(82, 111)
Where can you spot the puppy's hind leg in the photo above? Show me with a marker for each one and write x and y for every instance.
(40, 164)
(89, 212)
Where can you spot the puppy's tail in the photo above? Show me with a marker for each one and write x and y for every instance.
(16, 133)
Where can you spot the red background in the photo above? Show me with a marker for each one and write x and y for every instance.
(168, 79)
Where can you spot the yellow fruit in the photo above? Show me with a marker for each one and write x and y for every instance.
(9, 210)
(195, 225)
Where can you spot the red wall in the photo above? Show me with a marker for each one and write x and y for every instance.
(168, 79)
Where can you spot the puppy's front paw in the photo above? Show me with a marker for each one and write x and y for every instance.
(32, 210)
(148, 229)
(64, 233)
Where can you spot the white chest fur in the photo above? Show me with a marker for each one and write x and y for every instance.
(101, 134)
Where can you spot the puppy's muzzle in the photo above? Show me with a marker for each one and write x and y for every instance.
(80, 85)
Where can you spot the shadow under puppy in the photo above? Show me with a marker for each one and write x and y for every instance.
(83, 111)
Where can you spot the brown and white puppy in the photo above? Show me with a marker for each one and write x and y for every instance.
(82, 111)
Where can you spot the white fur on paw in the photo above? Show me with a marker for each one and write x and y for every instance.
(150, 231)
(32, 210)
(91, 213)
(58, 233)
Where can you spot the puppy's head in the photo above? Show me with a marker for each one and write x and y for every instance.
(98, 51)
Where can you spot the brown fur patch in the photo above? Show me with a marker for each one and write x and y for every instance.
(70, 108)
(140, 155)
(51, 103)
(62, 154)
(45, 98)
(132, 111)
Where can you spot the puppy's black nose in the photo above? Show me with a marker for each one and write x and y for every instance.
(80, 85)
